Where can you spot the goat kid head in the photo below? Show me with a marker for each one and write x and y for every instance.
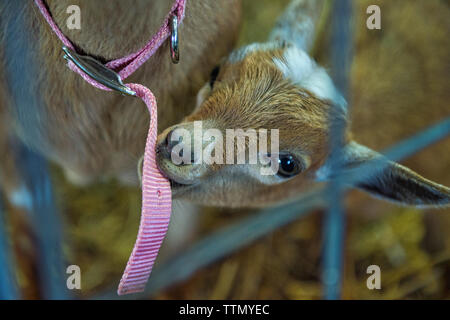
(276, 85)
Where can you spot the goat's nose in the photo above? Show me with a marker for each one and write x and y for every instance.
(170, 142)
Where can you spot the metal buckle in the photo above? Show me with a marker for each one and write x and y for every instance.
(98, 71)
(174, 41)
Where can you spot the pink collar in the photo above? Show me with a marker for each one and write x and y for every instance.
(156, 191)
(127, 65)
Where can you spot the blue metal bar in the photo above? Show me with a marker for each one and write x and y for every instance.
(333, 231)
(8, 288)
(27, 105)
(419, 141)
(45, 221)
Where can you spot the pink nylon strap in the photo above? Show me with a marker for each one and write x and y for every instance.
(128, 64)
(156, 191)
(156, 208)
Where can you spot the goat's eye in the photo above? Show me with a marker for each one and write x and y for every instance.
(288, 165)
(213, 76)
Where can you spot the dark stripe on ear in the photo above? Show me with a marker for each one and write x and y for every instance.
(398, 183)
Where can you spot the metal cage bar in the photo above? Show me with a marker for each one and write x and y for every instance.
(45, 221)
(333, 230)
(8, 288)
(21, 73)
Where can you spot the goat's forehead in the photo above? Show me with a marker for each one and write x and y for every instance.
(254, 92)
(263, 105)
(295, 65)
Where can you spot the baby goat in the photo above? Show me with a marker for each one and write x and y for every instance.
(277, 85)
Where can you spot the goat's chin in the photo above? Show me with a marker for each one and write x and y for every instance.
(179, 190)
(179, 184)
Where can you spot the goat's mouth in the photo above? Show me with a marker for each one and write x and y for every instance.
(176, 185)
(178, 182)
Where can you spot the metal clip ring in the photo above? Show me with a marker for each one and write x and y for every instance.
(174, 41)
(98, 71)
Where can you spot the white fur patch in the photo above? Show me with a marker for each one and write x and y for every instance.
(240, 54)
(297, 66)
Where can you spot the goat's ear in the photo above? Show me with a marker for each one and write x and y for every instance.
(389, 180)
(298, 23)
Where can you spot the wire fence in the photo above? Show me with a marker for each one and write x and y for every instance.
(44, 216)
(45, 220)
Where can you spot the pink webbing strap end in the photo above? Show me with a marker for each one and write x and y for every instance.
(156, 192)
(156, 209)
